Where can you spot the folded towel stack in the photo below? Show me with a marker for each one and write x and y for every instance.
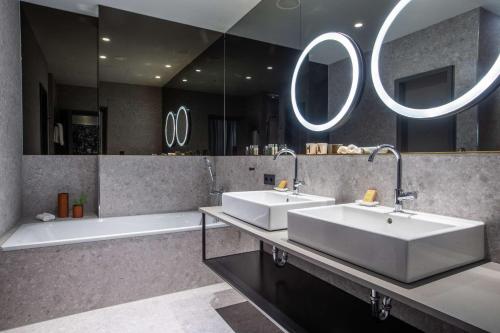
(351, 149)
(45, 217)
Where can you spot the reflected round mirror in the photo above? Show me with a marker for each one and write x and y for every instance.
(182, 126)
(354, 95)
(170, 129)
(469, 98)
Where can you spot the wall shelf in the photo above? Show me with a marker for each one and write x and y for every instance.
(467, 297)
(296, 300)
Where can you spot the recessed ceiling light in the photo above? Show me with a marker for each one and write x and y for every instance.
(184, 80)
(358, 25)
(198, 70)
(157, 77)
(103, 57)
(270, 68)
(248, 77)
(106, 39)
(168, 66)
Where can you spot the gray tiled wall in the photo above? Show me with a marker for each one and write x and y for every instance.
(11, 121)
(133, 185)
(45, 176)
(461, 185)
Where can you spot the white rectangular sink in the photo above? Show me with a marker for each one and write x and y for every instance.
(405, 246)
(268, 209)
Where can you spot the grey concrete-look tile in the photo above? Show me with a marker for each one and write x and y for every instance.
(187, 311)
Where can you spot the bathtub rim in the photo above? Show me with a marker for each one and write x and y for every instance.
(69, 241)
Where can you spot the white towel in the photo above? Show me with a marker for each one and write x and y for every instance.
(45, 217)
(59, 134)
(56, 134)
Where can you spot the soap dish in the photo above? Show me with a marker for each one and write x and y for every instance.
(367, 204)
(281, 189)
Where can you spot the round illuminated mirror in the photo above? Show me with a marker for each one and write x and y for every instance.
(182, 126)
(321, 56)
(418, 49)
(170, 129)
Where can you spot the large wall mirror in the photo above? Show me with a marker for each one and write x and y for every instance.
(149, 69)
(60, 114)
(434, 52)
(107, 84)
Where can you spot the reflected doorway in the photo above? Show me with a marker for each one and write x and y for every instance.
(426, 90)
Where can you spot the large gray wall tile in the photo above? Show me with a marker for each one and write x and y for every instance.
(11, 121)
(461, 185)
(133, 185)
(45, 176)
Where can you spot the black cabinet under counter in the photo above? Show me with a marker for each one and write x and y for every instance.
(297, 300)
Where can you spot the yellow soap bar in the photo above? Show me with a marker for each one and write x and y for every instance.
(370, 196)
(282, 184)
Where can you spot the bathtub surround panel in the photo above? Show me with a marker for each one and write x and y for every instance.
(45, 283)
(134, 185)
(45, 176)
(458, 185)
(11, 121)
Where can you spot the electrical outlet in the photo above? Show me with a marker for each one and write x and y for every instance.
(269, 179)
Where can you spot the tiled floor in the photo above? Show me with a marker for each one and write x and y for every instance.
(191, 311)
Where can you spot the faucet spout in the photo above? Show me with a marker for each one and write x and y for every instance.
(399, 160)
(399, 196)
(296, 183)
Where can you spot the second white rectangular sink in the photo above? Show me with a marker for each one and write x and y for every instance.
(268, 209)
(406, 246)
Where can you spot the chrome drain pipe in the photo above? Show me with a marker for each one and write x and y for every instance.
(280, 257)
(381, 311)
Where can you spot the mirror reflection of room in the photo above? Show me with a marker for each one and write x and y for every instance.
(149, 67)
(105, 84)
(433, 53)
(59, 82)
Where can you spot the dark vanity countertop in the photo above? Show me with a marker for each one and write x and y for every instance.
(468, 297)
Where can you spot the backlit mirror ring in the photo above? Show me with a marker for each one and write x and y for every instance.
(184, 113)
(170, 141)
(486, 85)
(355, 92)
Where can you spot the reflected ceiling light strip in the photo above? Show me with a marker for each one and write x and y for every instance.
(356, 87)
(184, 111)
(170, 142)
(487, 84)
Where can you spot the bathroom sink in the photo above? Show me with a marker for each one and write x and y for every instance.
(268, 209)
(406, 246)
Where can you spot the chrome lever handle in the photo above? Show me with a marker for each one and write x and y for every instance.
(406, 196)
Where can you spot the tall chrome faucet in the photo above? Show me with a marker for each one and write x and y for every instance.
(296, 183)
(399, 196)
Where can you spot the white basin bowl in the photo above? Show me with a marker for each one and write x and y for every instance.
(405, 246)
(268, 209)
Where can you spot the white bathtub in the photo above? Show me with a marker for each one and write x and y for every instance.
(41, 234)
